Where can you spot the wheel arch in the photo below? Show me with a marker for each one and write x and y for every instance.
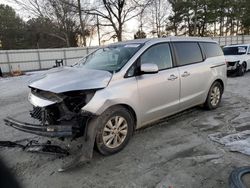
(206, 104)
(211, 83)
(244, 63)
(130, 109)
(221, 83)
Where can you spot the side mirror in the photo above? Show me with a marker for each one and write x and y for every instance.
(149, 68)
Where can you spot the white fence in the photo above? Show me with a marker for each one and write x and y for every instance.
(37, 59)
(227, 40)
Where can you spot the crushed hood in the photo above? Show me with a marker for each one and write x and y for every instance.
(232, 58)
(65, 79)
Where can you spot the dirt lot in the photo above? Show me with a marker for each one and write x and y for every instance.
(174, 152)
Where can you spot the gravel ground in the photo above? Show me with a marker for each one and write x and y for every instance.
(174, 152)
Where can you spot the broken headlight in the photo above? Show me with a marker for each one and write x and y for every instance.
(237, 63)
(67, 106)
(47, 95)
(75, 100)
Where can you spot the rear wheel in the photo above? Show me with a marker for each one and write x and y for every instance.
(214, 96)
(115, 130)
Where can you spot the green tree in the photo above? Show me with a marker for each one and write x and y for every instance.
(246, 17)
(12, 29)
(61, 15)
(209, 17)
(43, 33)
(178, 15)
(140, 34)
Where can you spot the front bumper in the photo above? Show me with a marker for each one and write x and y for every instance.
(42, 130)
(232, 69)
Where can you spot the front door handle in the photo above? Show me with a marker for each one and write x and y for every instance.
(185, 74)
(172, 77)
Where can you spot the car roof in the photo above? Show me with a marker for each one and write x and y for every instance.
(235, 45)
(195, 39)
(166, 39)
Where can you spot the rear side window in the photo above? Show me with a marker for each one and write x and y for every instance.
(158, 54)
(188, 52)
(211, 49)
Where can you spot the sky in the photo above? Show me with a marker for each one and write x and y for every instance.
(130, 27)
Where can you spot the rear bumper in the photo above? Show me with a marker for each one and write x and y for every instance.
(38, 129)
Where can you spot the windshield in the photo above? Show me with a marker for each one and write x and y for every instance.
(237, 50)
(111, 58)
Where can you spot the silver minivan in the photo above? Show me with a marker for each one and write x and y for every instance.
(124, 86)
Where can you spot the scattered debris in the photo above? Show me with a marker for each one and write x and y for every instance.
(17, 72)
(204, 158)
(35, 146)
(239, 142)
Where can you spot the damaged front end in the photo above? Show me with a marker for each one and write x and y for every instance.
(59, 114)
(233, 67)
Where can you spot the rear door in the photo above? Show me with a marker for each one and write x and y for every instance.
(159, 92)
(194, 73)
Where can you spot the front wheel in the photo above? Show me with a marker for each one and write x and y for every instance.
(241, 70)
(214, 96)
(115, 130)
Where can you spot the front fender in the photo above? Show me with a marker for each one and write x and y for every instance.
(119, 92)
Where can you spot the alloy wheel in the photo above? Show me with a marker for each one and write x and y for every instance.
(215, 96)
(115, 131)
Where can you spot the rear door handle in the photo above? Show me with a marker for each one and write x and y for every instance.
(185, 74)
(172, 77)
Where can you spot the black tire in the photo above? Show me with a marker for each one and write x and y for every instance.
(241, 70)
(209, 104)
(103, 119)
(235, 178)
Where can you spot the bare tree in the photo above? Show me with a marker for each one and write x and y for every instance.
(69, 19)
(65, 17)
(115, 13)
(158, 15)
(34, 7)
(143, 18)
(81, 21)
(87, 21)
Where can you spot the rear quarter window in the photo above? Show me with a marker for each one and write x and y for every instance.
(211, 49)
(187, 52)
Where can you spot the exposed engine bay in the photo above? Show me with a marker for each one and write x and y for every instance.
(58, 99)
(64, 110)
(60, 116)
